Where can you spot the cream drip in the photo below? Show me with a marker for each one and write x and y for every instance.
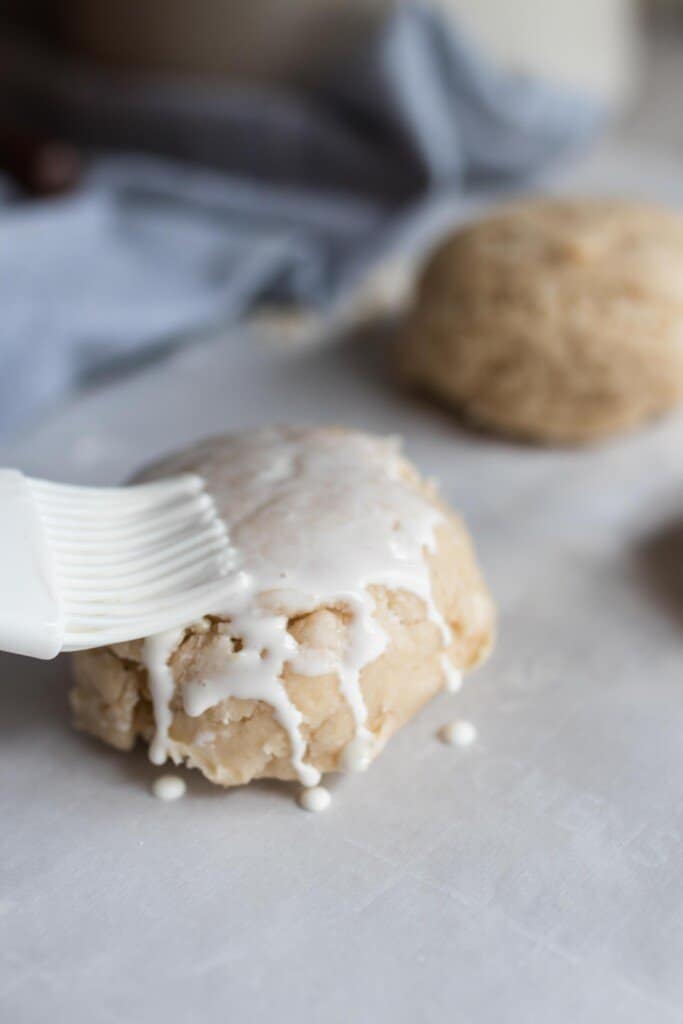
(357, 754)
(156, 653)
(314, 518)
(452, 675)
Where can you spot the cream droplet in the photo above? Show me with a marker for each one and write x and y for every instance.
(169, 787)
(453, 675)
(315, 799)
(459, 733)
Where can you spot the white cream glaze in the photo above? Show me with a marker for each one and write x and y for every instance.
(169, 787)
(357, 754)
(459, 733)
(156, 653)
(315, 799)
(314, 517)
(452, 675)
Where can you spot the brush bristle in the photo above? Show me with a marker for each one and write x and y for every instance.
(135, 560)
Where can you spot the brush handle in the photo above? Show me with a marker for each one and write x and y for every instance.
(31, 618)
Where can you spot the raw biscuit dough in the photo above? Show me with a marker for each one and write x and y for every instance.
(559, 321)
(240, 739)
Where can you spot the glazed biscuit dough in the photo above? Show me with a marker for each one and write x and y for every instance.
(238, 739)
(558, 321)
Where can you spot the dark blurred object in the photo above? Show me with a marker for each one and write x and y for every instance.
(416, 108)
(266, 40)
(578, 43)
(41, 16)
(40, 167)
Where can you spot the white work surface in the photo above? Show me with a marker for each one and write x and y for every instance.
(534, 877)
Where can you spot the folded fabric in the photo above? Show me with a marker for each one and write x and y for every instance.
(305, 192)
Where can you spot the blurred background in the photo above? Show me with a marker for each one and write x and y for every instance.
(582, 42)
(168, 169)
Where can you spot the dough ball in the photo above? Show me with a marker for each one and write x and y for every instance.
(239, 739)
(558, 321)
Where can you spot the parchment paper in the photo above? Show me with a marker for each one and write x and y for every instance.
(535, 877)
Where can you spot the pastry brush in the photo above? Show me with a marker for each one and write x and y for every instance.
(83, 567)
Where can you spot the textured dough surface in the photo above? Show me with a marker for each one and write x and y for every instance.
(556, 321)
(238, 740)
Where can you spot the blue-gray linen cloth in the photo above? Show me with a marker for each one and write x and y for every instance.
(259, 195)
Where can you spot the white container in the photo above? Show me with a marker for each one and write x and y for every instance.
(587, 44)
